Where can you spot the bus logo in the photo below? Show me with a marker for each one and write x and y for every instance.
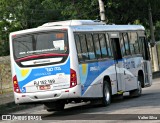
(52, 69)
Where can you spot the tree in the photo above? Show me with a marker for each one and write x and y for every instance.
(75, 9)
(23, 14)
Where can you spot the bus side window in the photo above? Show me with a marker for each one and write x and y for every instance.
(123, 49)
(103, 45)
(133, 42)
(78, 47)
(97, 45)
(84, 47)
(126, 43)
(108, 46)
(144, 48)
(90, 46)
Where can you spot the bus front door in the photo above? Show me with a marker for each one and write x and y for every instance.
(118, 65)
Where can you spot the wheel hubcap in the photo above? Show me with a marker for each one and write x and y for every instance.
(107, 94)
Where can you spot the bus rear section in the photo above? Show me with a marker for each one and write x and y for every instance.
(41, 68)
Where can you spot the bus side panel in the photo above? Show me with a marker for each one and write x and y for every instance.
(132, 66)
(88, 74)
(92, 75)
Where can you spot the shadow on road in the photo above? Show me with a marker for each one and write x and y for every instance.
(79, 112)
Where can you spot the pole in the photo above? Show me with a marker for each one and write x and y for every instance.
(102, 11)
(153, 46)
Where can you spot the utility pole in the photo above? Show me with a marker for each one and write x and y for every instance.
(153, 46)
(102, 11)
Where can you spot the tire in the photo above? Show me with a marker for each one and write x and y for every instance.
(54, 106)
(141, 79)
(106, 99)
(137, 92)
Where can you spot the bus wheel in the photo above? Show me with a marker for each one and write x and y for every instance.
(54, 106)
(137, 92)
(106, 100)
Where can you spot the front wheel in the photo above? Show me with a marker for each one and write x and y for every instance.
(106, 100)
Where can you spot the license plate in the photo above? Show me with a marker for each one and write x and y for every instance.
(44, 82)
(44, 87)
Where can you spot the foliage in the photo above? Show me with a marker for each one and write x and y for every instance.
(23, 14)
(75, 9)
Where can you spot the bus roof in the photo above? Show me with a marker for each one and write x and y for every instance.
(81, 25)
(87, 25)
(73, 23)
(109, 28)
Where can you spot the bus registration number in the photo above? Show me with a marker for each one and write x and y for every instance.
(44, 82)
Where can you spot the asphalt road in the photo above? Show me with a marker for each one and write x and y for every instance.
(142, 108)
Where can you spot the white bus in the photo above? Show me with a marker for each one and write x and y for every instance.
(78, 60)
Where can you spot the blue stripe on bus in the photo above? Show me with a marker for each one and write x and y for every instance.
(41, 72)
(88, 77)
(93, 70)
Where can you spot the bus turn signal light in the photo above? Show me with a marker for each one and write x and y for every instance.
(73, 78)
(15, 85)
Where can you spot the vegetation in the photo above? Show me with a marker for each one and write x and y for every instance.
(23, 14)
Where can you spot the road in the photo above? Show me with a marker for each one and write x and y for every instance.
(146, 106)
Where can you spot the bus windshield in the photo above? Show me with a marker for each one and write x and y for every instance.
(40, 45)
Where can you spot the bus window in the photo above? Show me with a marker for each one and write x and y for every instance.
(133, 42)
(108, 46)
(78, 46)
(22, 46)
(144, 48)
(126, 43)
(84, 48)
(40, 45)
(90, 46)
(97, 45)
(59, 43)
(103, 45)
(123, 49)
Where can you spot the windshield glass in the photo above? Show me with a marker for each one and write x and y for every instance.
(40, 43)
(31, 49)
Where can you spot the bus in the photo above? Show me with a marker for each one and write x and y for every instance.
(77, 61)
